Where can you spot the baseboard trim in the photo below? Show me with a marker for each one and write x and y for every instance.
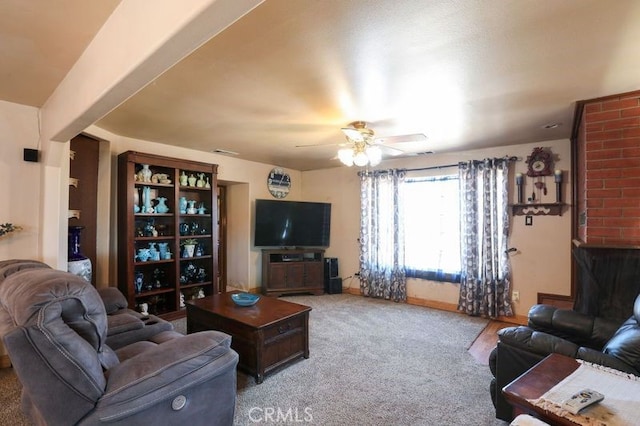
(444, 306)
(435, 304)
(5, 362)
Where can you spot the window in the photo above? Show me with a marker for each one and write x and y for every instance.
(432, 228)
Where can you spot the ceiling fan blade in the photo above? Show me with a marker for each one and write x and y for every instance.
(394, 152)
(353, 134)
(317, 145)
(416, 137)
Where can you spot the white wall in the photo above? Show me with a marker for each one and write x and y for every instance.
(19, 181)
(541, 264)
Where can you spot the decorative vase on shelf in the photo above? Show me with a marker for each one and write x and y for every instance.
(192, 180)
(164, 250)
(183, 205)
(200, 181)
(139, 281)
(188, 250)
(192, 207)
(145, 174)
(161, 207)
(144, 254)
(146, 200)
(184, 179)
(77, 263)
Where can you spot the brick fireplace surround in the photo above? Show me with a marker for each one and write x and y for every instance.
(606, 230)
(607, 154)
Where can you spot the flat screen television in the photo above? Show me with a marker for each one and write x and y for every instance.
(292, 224)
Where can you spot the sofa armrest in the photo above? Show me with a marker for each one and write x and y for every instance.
(130, 326)
(123, 323)
(537, 342)
(163, 372)
(581, 329)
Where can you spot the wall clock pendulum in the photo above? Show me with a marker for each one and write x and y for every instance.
(540, 163)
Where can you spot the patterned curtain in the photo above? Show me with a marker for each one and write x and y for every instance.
(382, 272)
(486, 275)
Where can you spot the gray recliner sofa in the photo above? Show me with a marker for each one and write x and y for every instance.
(54, 326)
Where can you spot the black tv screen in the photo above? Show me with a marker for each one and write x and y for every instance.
(292, 224)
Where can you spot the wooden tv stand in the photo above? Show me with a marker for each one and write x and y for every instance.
(287, 271)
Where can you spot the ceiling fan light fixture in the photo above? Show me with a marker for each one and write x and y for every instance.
(360, 159)
(346, 156)
(375, 155)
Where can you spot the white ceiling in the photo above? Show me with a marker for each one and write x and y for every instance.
(468, 74)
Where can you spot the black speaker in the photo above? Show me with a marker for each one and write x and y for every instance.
(330, 268)
(31, 155)
(333, 286)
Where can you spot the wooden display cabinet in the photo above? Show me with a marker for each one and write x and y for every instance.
(292, 271)
(163, 281)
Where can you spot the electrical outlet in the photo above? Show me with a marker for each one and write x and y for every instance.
(515, 296)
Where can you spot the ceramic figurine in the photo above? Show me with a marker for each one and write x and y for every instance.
(193, 228)
(149, 229)
(144, 309)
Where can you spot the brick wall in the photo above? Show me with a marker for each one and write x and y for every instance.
(608, 165)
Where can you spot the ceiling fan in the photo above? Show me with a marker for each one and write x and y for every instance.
(362, 147)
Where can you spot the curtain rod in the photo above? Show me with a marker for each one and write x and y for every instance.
(510, 158)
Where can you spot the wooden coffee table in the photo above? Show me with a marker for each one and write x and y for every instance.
(268, 335)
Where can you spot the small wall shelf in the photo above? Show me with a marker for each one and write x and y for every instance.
(537, 209)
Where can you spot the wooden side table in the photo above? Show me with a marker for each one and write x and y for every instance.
(535, 382)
